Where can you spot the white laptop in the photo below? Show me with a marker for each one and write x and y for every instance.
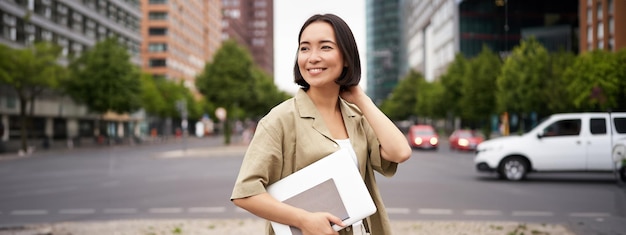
(332, 184)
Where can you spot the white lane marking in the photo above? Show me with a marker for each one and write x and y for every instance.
(170, 210)
(433, 211)
(532, 213)
(398, 211)
(77, 211)
(589, 214)
(119, 210)
(29, 212)
(206, 209)
(482, 212)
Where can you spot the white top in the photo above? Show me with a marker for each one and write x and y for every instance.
(345, 144)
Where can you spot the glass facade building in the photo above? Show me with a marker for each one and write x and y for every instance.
(384, 38)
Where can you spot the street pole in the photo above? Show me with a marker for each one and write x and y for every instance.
(182, 107)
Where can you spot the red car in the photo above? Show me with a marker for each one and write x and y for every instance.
(464, 140)
(423, 136)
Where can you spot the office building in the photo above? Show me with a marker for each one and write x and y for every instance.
(251, 24)
(431, 36)
(602, 25)
(75, 26)
(383, 47)
(179, 37)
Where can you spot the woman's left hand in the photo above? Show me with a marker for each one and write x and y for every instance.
(353, 94)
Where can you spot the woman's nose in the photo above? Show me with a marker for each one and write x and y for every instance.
(314, 57)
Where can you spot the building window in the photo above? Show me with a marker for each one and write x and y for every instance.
(90, 28)
(157, 47)
(11, 102)
(90, 3)
(610, 6)
(589, 34)
(44, 8)
(156, 2)
(9, 30)
(77, 22)
(157, 31)
(64, 44)
(157, 15)
(600, 44)
(611, 44)
(60, 15)
(102, 7)
(158, 63)
(600, 30)
(599, 10)
(611, 26)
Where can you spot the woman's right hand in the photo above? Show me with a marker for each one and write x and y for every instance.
(319, 223)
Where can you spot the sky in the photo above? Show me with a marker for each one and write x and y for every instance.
(289, 15)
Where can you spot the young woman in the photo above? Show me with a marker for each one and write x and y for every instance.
(329, 112)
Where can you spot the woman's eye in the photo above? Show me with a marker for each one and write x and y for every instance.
(327, 47)
(304, 48)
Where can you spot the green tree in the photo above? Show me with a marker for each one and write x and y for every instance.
(452, 82)
(151, 98)
(401, 104)
(556, 83)
(104, 79)
(477, 91)
(228, 81)
(596, 81)
(523, 81)
(30, 71)
(266, 94)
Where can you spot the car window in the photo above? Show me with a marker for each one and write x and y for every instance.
(563, 128)
(423, 132)
(620, 125)
(597, 126)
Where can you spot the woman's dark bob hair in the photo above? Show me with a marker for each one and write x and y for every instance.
(351, 75)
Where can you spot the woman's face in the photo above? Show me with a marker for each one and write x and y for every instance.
(319, 57)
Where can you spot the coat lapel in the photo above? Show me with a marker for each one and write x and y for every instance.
(307, 110)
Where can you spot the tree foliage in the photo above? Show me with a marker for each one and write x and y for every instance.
(452, 81)
(234, 82)
(104, 79)
(478, 99)
(597, 81)
(522, 84)
(30, 71)
(403, 100)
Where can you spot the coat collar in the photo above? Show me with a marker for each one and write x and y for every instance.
(306, 109)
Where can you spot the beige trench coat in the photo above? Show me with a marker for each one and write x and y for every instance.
(293, 135)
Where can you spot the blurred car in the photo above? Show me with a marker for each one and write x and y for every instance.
(466, 140)
(423, 136)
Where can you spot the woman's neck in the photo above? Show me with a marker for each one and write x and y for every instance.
(325, 100)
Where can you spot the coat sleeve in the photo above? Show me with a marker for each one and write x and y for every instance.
(262, 163)
(379, 164)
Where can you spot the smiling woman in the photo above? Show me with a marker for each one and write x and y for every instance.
(329, 109)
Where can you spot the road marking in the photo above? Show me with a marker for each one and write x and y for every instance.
(431, 211)
(482, 212)
(398, 211)
(532, 213)
(29, 212)
(120, 211)
(206, 209)
(589, 214)
(171, 210)
(77, 211)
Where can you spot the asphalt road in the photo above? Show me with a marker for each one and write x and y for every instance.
(164, 181)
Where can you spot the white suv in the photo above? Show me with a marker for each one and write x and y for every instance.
(582, 142)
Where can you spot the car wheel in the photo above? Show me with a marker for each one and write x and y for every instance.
(513, 169)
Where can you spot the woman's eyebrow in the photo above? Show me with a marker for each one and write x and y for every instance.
(321, 41)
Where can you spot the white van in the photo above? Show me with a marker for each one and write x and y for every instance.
(570, 142)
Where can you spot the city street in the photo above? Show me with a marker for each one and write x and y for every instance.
(193, 179)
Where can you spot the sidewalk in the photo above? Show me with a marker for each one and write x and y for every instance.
(256, 226)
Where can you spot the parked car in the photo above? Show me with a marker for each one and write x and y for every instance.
(464, 139)
(423, 137)
(573, 142)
